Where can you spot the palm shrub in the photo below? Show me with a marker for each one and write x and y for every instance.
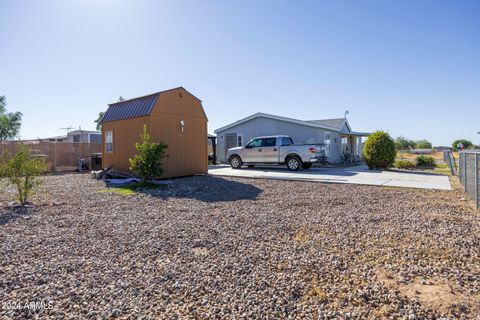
(379, 150)
(23, 171)
(425, 161)
(147, 164)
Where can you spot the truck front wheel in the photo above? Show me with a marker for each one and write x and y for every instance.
(293, 163)
(236, 162)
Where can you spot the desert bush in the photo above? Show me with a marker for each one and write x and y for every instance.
(404, 164)
(147, 163)
(22, 171)
(425, 161)
(379, 150)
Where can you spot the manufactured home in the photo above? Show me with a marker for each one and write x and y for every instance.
(336, 134)
(174, 116)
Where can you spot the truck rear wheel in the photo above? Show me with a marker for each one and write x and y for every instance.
(236, 162)
(293, 163)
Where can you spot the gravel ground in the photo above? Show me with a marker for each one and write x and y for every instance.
(208, 247)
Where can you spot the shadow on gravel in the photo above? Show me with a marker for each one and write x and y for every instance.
(12, 213)
(207, 189)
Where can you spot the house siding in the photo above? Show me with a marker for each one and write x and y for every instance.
(265, 126)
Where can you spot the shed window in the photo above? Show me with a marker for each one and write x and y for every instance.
(109, 141)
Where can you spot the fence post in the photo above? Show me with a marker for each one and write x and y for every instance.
(454, 163)
(476, 180)
(460, 168)
(465, 171)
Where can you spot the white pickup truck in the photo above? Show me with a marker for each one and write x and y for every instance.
(278, 150)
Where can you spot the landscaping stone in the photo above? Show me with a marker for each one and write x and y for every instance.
(230, 248)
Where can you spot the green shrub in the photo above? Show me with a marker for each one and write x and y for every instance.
(147, 163)
(379, 150)
(404, 164)
(425, 161)
(22, 171)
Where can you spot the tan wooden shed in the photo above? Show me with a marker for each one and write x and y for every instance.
(174, 116)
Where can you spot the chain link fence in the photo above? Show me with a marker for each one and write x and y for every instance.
(449, 159)
(469, 174)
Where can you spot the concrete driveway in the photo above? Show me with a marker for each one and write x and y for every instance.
(358, 174)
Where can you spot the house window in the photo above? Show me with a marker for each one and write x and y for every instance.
(239, 140)
(327, 139)
(109, 141)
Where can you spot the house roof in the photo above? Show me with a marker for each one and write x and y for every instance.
(271, 116)
(136, 107)
(336, 123)
(82, 131)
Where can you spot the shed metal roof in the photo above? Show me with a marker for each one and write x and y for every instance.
(136, 107)
(132, 108)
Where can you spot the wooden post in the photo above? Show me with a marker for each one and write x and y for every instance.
(55, 160)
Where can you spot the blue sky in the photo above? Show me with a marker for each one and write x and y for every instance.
(409, 67)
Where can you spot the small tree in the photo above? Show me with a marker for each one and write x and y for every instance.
(147, 163)
(22, 171)
(379, 150)
(423, 144)
(10, 122)
(99, 119)
(466, 144)
(402, 143)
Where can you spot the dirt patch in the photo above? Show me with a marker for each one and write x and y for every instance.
(201, 251)
(436, 294)
(301, 236)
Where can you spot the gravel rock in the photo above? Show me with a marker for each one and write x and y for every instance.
(227, 248)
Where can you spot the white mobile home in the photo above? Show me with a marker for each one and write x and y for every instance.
(336, 134)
